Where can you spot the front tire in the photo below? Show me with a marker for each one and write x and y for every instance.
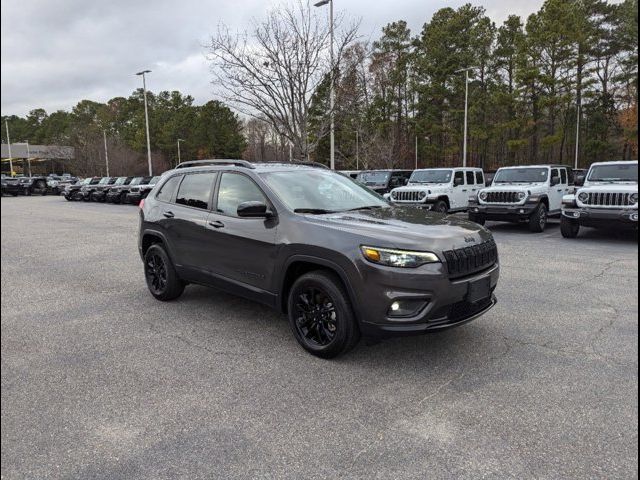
(161, 276)
(320, 315)
(538, 220)
(569, 228)
(441, 207)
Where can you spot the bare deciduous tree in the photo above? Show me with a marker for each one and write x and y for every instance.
(272, 71)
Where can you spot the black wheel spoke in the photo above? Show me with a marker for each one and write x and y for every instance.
(315, 315)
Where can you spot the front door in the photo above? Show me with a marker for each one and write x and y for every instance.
(556, 192)
(244, 248)
(460, 193)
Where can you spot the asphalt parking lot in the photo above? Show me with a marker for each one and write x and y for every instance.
(99, 380)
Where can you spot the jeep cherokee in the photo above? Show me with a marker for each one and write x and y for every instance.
(338, 259)
(608, 199)
(528, 194)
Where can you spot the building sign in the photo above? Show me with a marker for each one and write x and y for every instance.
(48, 152)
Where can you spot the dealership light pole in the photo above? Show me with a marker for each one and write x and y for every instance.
(466, 111)
(6, 124)
(332, 90)
(179, 140)
(146, 116)
(577, 132)
(106, 152)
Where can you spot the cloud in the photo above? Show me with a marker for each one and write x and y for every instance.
(55, 54)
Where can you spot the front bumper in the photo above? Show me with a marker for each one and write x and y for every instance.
(603, 217)
(447, 302)
(134, 197)
(509, 213)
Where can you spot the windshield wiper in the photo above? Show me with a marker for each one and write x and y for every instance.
(366, 207)
(313, 211)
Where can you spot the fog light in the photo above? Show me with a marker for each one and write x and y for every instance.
(476, 210)
(406, 308)
(633, 217)
(521, 210)
(576, 214)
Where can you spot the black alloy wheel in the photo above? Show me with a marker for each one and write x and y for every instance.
(161, 276)
(315, 316)
(320, 315)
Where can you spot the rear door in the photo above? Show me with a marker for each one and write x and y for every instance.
(243, 249)
(185, 217)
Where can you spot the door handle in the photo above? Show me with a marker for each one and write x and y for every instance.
(464, 189)
(560, 190)
(168, 214)
(216, 224)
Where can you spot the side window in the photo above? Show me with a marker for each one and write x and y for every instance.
(563, 176)
(479, 178)
(458, 178)
(168, 189)
(554, 173)
(236, 189)
(195, 190)
(470, 177)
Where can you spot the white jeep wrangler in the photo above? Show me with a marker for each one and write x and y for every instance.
(443, 190)
(528, 194)
(608, 199)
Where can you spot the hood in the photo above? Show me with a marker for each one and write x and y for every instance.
(518, 187)
(610, 187)
(406, 227)
(422, 187)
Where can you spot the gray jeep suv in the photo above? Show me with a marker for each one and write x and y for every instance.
(331, 254)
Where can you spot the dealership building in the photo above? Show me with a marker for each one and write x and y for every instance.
(36, 159)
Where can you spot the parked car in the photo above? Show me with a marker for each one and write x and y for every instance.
(351, 173)
(87, 190)
(24, 186)
(335, 257)
(56, 184)
(528, 194)
(140, 192)
(383, 181)
(118, 191)
(440, 189)
(100, 193)
(75, 193)
(608, 199)
(488, 177)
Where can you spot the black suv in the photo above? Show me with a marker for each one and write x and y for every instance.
(101, 191)
(336, 257)
(140, 191)
(383, 181)
(118, 191)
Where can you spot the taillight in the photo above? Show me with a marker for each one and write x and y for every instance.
(141, 204)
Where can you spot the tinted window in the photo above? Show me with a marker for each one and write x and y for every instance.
(554, 173)
(479, 178)
(563, 175)
(459, 176)
(195, 190)
(168, 189)
(470, 178)
(234, 190)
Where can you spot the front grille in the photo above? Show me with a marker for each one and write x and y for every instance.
(407, 196)
(608, 199)
(459, 311)
(464, 261)
(502, 197)
(134, 189)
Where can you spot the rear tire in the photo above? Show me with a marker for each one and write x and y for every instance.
(320, 315)
(161, 276)
(441, 207)
(569, 228)
(122, 198)
(538, 220)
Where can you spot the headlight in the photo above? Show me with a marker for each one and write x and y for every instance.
(583, 197)
(398, 258)
(633, 198)
(483, 196)
(422, 194)
(394, 194)
(522, 195)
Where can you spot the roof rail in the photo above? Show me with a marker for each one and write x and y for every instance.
(200, 163)
(298, 162)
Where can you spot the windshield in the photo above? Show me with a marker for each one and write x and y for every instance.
(431, 176)
(136, 181)
(373, 178)
(521, 175)
(614, 173)
(321, 191)
(154, 180)
(120, 180)
(87, 181)
(103, 181)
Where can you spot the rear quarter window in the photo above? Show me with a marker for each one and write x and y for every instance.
(168, 189)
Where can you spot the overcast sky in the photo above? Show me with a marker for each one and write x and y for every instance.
(57, 52)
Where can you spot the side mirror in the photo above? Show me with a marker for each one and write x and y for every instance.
(458, 181)
(579, 181)
(555, 181)
(253, 210)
